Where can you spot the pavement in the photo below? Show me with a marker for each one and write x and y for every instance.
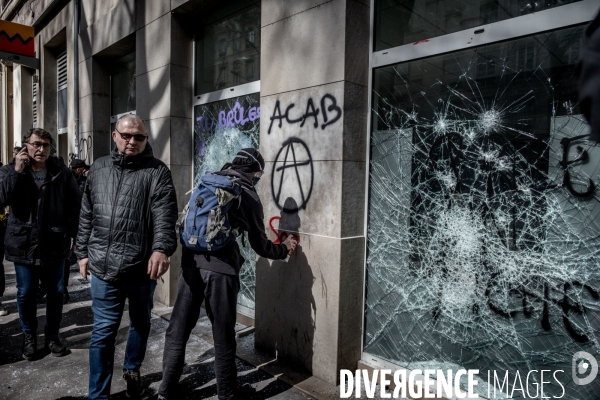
(67, 377)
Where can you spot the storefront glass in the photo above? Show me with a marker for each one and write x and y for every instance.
(484, 215)
(400, 22)
(228, 47)
(221, 129)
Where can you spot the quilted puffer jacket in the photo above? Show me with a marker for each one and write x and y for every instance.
(128, 211)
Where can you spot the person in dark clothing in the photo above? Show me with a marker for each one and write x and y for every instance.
(126, 234)
(44, 202)
(213, 278)
(80, 170)
(589, 78)
(16, 151)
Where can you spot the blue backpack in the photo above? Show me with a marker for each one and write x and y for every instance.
(203, 224)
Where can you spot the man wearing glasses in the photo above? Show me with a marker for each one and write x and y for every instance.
(44, 202)
(126, 234)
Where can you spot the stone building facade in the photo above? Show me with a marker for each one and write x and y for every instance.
(419, 149)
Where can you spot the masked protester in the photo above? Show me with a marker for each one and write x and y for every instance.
(213, 277)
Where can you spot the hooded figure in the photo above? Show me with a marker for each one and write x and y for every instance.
(213, 277)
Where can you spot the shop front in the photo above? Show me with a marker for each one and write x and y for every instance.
(483, 208)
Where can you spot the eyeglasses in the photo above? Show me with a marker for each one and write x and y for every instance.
(40, 145)
(127, 136)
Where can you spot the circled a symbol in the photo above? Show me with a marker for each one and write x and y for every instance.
(293, 158)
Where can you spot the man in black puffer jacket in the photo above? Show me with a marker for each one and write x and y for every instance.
(126, 234)
(44, 202)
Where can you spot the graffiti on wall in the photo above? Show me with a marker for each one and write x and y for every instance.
(329, 111)
(294, 161)
(85, 147)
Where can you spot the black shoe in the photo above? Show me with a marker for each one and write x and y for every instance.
(134, 384)
(55, 347)
(29, 347)
(245, 391)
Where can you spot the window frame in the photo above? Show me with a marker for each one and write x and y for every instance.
(243, 89)
(513, 28)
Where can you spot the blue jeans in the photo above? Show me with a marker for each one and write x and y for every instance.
(28, 278)
(108, 302)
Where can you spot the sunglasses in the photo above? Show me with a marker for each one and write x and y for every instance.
(127, 136)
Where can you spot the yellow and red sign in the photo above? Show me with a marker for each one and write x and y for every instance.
(17, 38)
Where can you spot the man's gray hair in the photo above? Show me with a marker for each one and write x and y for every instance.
(133, 117)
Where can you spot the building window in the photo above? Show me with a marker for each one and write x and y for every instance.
(122, 87)
(34, 98)
(61, 93)
(237, 42)
(230, 29)
(222, 47)
(399, 22)
(250, 70)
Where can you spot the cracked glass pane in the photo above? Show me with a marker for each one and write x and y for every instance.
(484, 228)
(221, 129)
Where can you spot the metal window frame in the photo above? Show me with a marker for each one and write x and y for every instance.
(513, 28)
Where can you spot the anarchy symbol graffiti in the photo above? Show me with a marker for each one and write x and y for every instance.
(293, 158)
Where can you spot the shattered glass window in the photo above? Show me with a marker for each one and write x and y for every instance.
(399, 22)
(221, 129)
(484, 214)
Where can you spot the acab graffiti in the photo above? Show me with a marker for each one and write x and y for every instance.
(330, 113)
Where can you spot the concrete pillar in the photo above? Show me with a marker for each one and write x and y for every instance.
(6, 143)
(22, 100)
(164, 87)
(314, 69)
(7, 113)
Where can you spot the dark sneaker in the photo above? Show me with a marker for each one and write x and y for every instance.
(56, 348)
(244, 391)
(134, 384)
(3, 310)
(29, 347)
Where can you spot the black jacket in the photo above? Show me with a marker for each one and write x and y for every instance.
(129, 210)
(42, 221)
(81, 180)
(248, 217)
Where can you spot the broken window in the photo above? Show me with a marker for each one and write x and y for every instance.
(221, 129)
(484, 214)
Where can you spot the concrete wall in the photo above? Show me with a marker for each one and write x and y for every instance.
(313, 126)
(22, 101)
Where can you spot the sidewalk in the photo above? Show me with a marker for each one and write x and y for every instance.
(67, 377)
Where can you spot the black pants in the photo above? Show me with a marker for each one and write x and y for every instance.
(220, 292)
